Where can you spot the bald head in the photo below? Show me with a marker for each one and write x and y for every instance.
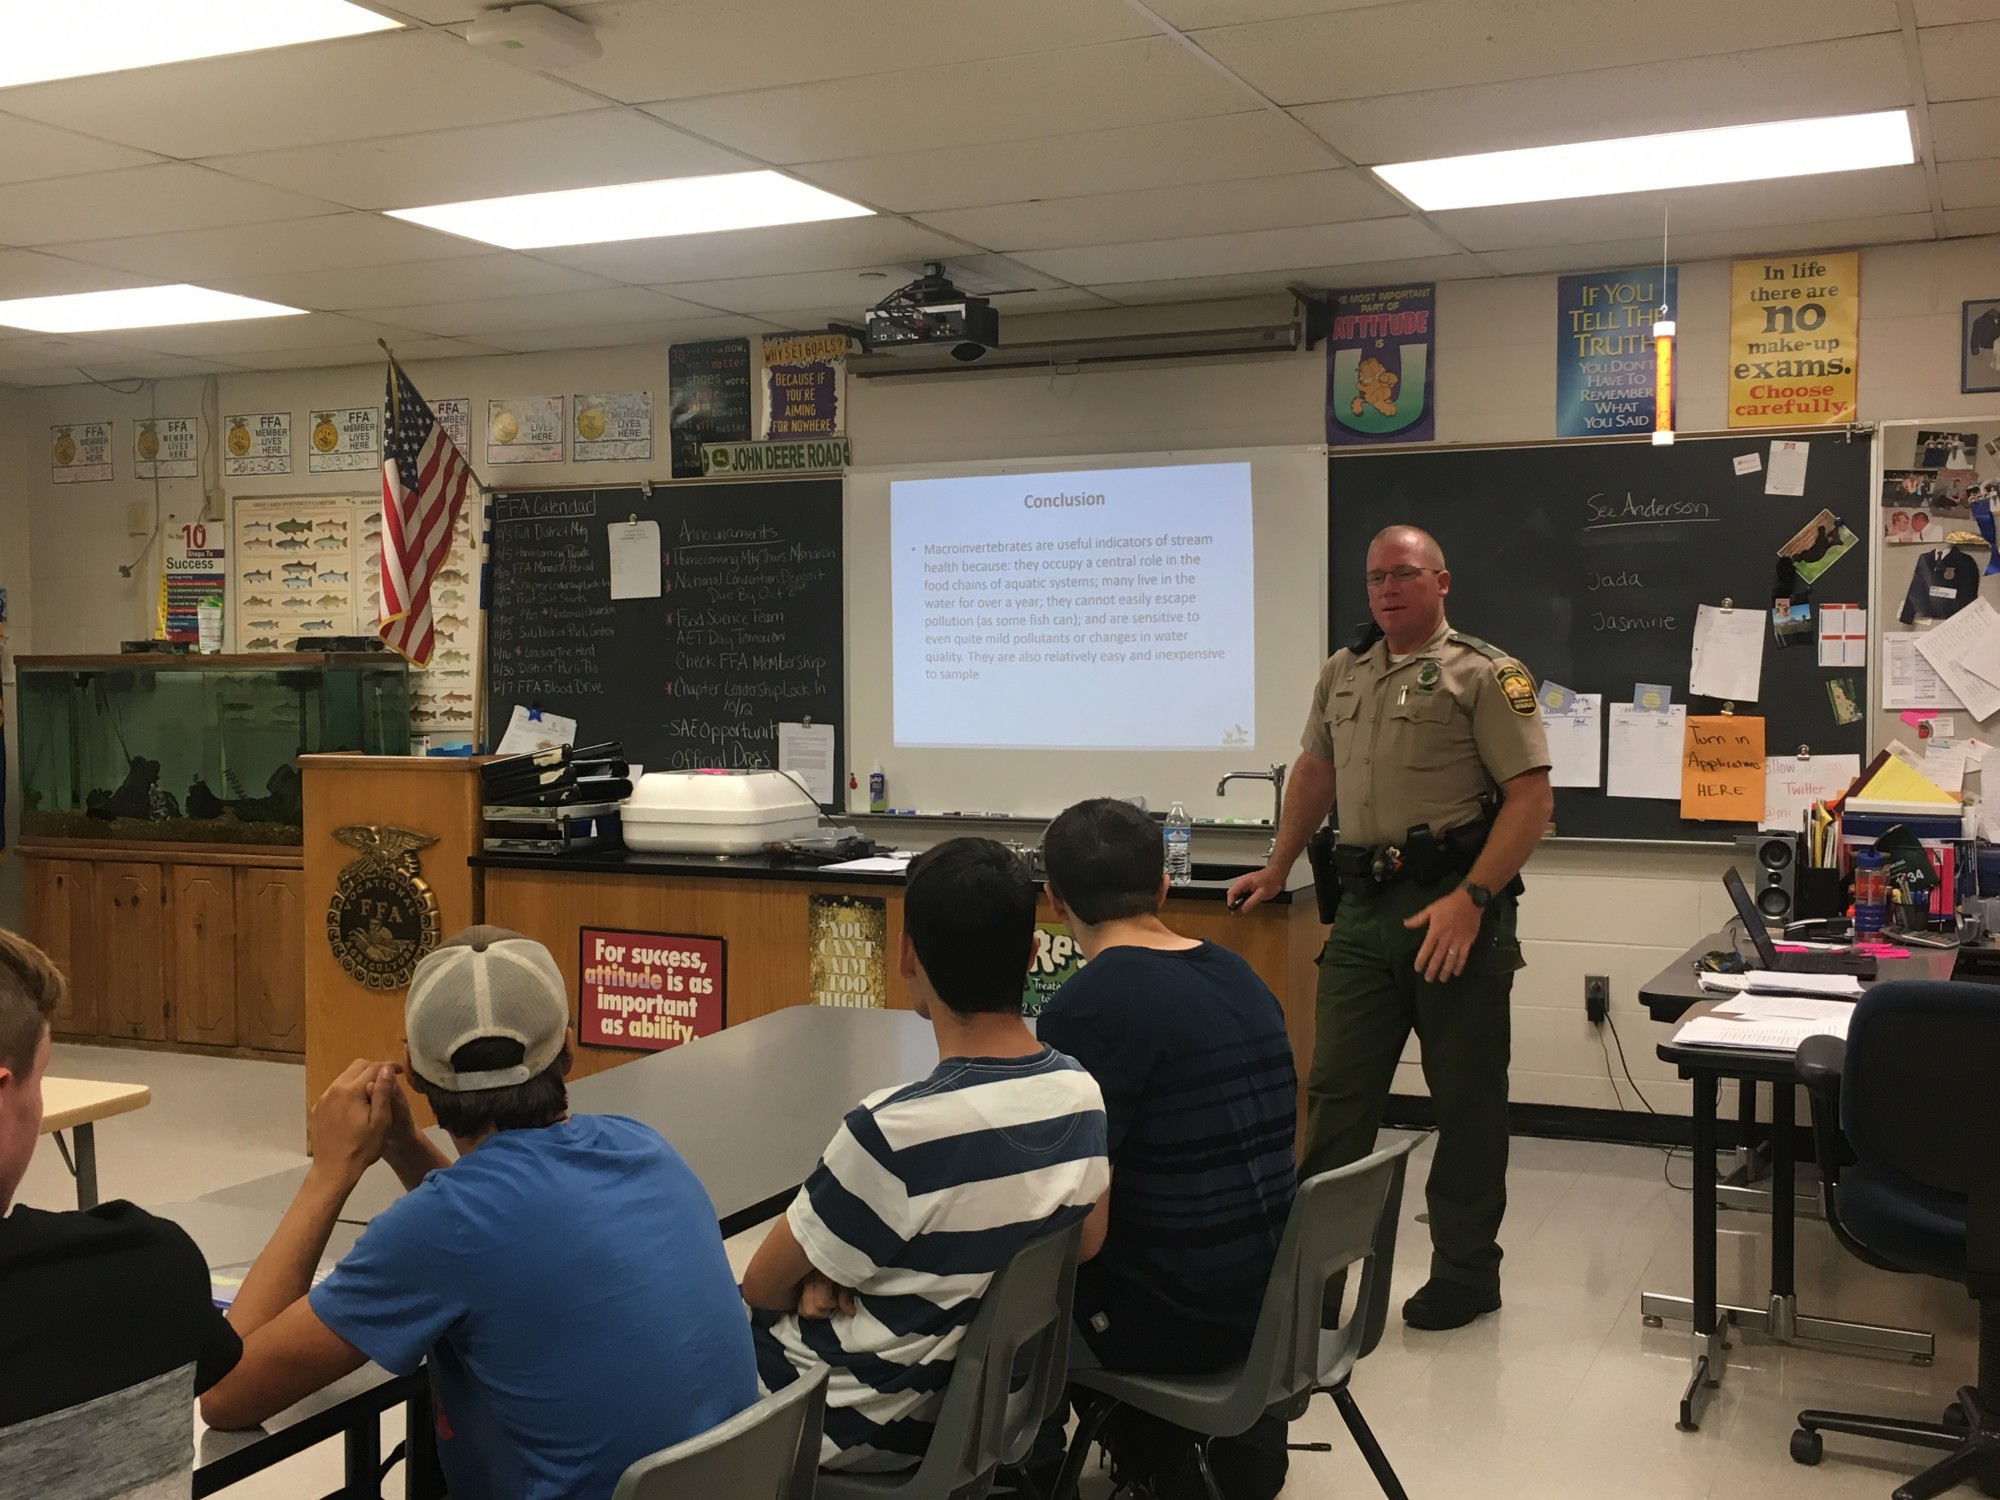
(1422, 548)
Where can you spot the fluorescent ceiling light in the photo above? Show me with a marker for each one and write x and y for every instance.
(138, 307)
(1647, 163)
(76, 38)
(635, 211)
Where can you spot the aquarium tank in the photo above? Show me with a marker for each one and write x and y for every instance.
(194, 749)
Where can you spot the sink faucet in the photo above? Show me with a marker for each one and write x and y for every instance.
(1276, 776)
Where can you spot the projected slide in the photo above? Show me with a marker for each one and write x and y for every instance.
(1103, 609)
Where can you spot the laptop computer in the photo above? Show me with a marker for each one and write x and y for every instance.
(1861, 965)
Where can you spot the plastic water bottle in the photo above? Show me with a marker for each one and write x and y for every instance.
(1871, 894)
(1179, 837)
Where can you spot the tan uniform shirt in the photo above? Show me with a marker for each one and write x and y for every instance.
(1420, 742)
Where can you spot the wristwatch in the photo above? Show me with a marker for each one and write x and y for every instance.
(1479, 894)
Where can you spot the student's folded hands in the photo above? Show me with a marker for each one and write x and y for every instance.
(820, 1297)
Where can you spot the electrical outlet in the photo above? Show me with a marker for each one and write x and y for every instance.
(1596, 997)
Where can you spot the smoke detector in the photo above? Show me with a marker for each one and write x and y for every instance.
(533, 37)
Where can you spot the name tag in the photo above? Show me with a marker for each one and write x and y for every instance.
(1941, 591)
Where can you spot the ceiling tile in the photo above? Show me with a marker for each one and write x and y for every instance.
(1970, 184)
(964, 103)
(615, 335)
(1328, 197)
(1167, 154)
(1430, 44)
(1951, 12)
(759, 252)
(849, 289)
(1963, 221)
(410, 350)
(453, 279)
(1199, 15)
(432, 12)
(30, 273)
(1736, 205)
(1224, 254)
(164, 198)
(1961, 62)
(672, 49)
(331, 240)
(1743, 88)
(476, 318)
(30, 150)
(1964, 128)
(1830, 234)
(297, 96)
(35, 351)
(487, 161)
(1247, 284)
(231, 340)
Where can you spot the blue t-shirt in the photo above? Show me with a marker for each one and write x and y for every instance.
(570, 1288)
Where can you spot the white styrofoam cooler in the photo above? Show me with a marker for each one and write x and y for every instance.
(715, 812)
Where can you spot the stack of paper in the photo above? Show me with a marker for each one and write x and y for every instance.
(1728, 659)
(1778, 1035)
(1964, 651)
(1895, 786)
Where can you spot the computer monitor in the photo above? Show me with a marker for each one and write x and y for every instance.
(1753, 920)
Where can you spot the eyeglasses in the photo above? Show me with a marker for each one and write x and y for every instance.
(1377, 577)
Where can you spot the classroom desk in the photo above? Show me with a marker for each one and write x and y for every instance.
(749, 1109)
(1671, 996)
(350, 1409)
(76, 1105)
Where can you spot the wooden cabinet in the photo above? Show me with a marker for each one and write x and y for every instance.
(271, 983)
(123, 962)
(58, 899)
(203, 965)
(202, 950)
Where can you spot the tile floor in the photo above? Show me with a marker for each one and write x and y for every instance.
(1563, 1393)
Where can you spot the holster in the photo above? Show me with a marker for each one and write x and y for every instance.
(1326, 882)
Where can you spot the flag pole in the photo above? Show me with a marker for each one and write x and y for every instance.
(395, 397)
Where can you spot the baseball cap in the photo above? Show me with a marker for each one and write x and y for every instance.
(485, 982)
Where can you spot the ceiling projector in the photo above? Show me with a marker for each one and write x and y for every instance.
(930, 311)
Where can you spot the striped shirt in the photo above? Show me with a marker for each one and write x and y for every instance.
(924, 1193)
(1189, 1046)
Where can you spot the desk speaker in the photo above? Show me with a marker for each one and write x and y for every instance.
(1774, 875)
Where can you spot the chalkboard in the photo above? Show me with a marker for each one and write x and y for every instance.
(1587, 561)
(746, 634)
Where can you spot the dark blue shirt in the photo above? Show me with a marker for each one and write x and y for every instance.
(570, 1288)
(1200, 1099)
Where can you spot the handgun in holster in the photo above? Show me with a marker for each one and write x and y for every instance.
(1326, 882)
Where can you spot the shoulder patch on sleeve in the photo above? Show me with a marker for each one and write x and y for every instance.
(1513, 680)
(1484, 648)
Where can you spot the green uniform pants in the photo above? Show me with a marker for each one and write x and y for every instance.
(1370, 999)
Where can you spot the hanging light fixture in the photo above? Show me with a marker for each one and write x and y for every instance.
(1663, 356)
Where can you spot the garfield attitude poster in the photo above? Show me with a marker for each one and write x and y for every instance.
(1381, 377)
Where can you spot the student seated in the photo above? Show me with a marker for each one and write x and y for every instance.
(564, 1276)
(927, 1190)
(93, 1302)
(1200, 1097)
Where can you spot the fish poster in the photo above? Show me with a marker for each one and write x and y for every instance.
(1381, 370)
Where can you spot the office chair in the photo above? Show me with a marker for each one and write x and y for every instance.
(1915, 1090)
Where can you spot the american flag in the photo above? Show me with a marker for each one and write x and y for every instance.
(424, 478)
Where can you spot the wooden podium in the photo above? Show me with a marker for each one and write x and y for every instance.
(363, 812)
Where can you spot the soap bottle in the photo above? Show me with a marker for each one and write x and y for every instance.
(878, 790)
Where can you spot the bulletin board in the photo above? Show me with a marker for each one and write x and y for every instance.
(1587, 561)
(1930, 470)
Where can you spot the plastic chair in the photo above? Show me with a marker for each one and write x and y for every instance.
(769, 1451)
(1912, 1092)
(989, 1417)
(1338, 1218)
(65, 1455)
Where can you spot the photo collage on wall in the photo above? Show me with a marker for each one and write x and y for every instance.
(312, 566)
(1933, 501)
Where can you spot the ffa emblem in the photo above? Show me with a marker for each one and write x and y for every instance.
(590, 424)
(238, 439)
(383, 916)
(326, 436)
(1514, 683)
(149, 442)
(65, 448)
